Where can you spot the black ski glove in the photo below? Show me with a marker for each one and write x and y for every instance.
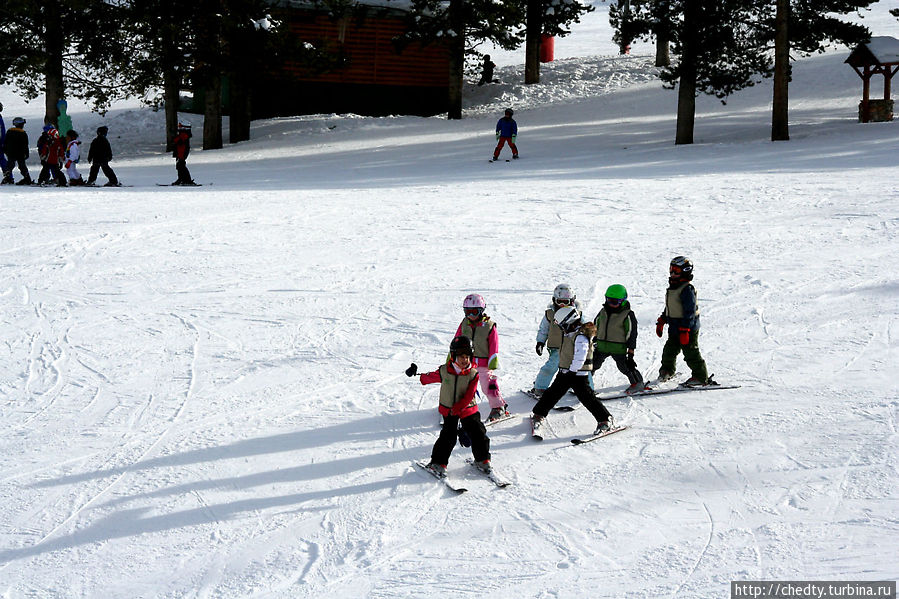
(464, 439)
(539, 348)
(412, 370)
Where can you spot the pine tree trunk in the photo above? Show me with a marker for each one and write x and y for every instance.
(456, 59)
(212, 115)
(686, 93)
(171, 83)
(625, 35)
(534, 25)
(663, 55)
(780, 119)
(239, 115)
(54, 86)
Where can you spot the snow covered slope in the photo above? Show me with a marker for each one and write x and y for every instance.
(201, 390)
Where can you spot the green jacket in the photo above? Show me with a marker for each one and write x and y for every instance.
(616, 330)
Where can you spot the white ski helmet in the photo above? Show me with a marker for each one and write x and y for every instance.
(567, 316)
(474, 300)
(563, 291)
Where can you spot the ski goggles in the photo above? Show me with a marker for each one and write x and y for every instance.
(473, 311)
(675, 270)
(614, 301)
(563, 301)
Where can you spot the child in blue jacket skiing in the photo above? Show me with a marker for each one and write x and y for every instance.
(506, 132)
(549, 338)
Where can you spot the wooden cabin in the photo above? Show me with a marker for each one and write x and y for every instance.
(364, 72)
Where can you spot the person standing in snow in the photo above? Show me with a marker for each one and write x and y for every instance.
(681, 314)
(16, 150)
(73, 155)
(56, 150)
(616, 336)
(549, 337)
(458, 380)
(99, 155)
(575, 363)
(43, 151)
(180, 152)
(2, 140)
(481, 330)
(506, 132)
(487, 71)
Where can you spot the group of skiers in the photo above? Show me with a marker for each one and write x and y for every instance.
(57, 154)
(60, 154)
(575, 347)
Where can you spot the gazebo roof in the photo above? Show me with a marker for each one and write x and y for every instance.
(881, 50)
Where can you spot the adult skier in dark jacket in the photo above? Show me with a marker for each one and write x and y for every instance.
(99, 155)
(15, 148)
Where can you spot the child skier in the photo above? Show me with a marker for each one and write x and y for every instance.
(2, 141)
(506, 131)
(16, 150)
(616, 336)
(549, 336)
(43, 151)
(681, 314)
(458, 380)
(478, 327)
(56, 150)
(575, 363)
(73, 155)
(180, 151)
(99, 155)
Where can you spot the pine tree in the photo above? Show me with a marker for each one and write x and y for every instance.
(62, 49)
(727, 45)
(805, 27)
(547, 17)
(461, 26)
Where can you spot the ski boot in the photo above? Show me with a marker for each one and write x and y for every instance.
(603, 427)
(665, 375)
(636, 388)
(438, 469)
(498, 413)
(484, 466)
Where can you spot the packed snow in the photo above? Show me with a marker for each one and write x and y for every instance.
(202, 390)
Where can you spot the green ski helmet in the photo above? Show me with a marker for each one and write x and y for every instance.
(617, 292)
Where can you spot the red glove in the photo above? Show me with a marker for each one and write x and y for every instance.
(660, 326)
(684, 336)
(68, 163)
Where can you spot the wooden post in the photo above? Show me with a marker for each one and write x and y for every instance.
(866, 92)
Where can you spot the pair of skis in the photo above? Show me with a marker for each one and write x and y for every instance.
(537, 427)
(492, 476)
(651, 390)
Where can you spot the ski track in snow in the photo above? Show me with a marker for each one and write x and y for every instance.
(203, 392)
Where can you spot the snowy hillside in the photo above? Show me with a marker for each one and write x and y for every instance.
(202, 390)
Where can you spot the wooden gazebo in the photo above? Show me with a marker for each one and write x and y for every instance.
(880, 56)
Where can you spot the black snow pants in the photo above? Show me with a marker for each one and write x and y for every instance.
(477, 432)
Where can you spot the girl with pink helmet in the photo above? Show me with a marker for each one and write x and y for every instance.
(478, 327)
